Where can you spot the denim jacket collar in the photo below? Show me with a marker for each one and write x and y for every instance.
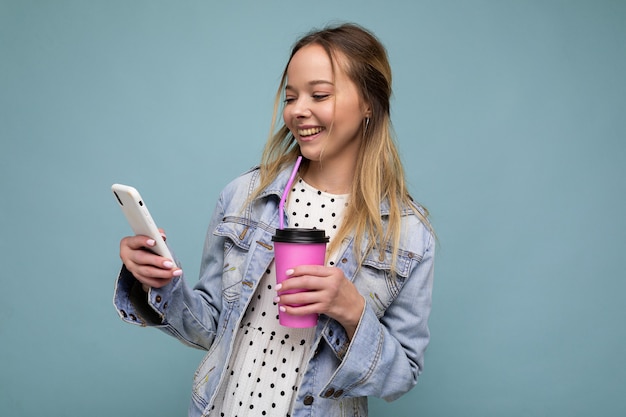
(278, 185)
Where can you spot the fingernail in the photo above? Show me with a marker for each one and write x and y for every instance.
(289, 272)
(150, 242)
(177, 273)
(282, 308)
(278, 287)
(168, 264)
(276, 300)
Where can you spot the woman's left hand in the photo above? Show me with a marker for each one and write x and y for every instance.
(328, 292)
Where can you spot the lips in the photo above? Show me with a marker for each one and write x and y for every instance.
(303, 133)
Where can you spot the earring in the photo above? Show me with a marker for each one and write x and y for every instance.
(367, 123)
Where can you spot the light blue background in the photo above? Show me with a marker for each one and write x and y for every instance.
(511, 119)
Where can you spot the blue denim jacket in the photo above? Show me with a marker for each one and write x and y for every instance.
(385, 355)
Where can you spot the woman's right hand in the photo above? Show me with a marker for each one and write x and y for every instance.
(148, 268)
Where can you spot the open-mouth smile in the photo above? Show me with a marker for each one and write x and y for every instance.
(303, 133)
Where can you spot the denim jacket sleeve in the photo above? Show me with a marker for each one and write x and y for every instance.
(386, 354)
(189, 315)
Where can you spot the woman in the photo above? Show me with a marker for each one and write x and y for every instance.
(374, 293)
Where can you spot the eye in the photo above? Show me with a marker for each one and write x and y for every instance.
(320, 97)
(289, 100)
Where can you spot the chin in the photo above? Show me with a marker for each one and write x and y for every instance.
(311, 154)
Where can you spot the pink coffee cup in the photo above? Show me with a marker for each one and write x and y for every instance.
(294, 247)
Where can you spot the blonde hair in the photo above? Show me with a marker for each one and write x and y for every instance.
(379, 175)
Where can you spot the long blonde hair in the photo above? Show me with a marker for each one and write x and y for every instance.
(378, 175)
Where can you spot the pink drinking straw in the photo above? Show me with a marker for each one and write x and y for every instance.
(281, 205)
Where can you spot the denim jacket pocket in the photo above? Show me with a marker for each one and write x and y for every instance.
(237, 235)
(376, 282)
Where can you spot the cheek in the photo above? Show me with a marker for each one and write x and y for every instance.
(287, 121)
(328, 114)
(349, 117)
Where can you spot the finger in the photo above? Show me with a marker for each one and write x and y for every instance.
(144, 264)
(312, 277)
(315, 270)
(153, 271)
(154, 277)
(305, 282)
(300, 310)
(137, 242)
(298, 299)
(145, 257)
(129, 252)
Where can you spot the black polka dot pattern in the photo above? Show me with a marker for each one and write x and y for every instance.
(326, 208)
(266, 368)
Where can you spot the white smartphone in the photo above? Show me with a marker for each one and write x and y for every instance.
(139, 217)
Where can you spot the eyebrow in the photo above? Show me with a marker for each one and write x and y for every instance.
(311, 83)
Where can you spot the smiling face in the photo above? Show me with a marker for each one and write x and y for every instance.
(323, 110)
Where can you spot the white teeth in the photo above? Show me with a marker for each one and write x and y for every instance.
(310, 131)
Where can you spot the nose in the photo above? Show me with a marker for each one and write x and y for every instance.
(300, 109)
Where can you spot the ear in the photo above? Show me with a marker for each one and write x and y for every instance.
(367, 110)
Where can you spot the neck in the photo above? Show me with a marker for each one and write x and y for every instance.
(333, 179)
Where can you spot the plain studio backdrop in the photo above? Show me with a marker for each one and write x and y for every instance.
(511, 121)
